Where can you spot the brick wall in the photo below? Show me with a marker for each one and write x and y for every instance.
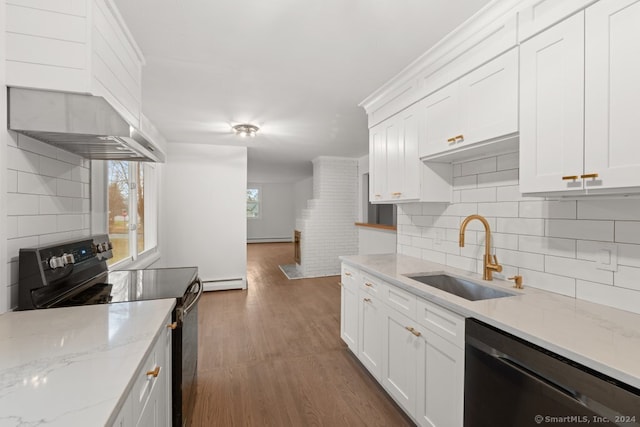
(48, 199)
(553, 244)
(327, 224)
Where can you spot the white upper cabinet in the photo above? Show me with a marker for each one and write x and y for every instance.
(539, 15)
(551, 108)
(74, 46)
(612, 94)
(479, 107)
(580, 95)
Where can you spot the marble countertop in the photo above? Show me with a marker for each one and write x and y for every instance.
(73, 366)
(600, 337)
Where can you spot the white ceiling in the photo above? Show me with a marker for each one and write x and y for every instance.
(297, 69)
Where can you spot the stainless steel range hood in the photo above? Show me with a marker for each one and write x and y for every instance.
(82, 124)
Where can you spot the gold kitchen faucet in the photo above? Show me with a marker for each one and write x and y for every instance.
(490, 261)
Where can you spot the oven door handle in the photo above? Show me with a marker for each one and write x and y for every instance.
(186, 309)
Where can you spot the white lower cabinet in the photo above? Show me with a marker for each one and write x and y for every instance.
(413, 347)
(349, 308)
(148, 403)
(440, 379)
(369, 338)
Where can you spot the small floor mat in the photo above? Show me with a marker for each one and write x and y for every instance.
(291, 271)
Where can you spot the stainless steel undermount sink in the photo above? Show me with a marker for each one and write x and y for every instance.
(461, 287)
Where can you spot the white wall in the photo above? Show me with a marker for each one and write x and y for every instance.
(553, 244)
(303, 191)
(203, 211)
(363, 196)
(276, 221)
(376, 241)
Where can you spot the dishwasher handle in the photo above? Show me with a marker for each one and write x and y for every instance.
(195, 300)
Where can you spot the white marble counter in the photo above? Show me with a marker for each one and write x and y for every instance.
(71, 366)
(600, 337)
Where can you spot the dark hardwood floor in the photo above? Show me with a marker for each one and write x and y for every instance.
(272, 355)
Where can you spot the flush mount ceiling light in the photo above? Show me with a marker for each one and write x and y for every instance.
(245, 130)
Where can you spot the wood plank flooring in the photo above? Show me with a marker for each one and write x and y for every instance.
(272, 355)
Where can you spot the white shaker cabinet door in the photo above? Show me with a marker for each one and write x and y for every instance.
(440, 120)
(410, 163)
(552, 108)
(401, 343)
(377, 163)
(612, 94)
(440, 393)
(349, 317)
(369, 334)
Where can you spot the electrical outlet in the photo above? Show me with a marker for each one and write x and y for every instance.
(607, 257)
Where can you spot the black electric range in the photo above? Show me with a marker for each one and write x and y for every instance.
(75, 273)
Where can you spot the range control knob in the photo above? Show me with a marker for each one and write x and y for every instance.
(68, 259)
(56, 262)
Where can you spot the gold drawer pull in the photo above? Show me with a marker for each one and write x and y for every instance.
(346, 273)
(396, 193)
(589, 175)
(367, 300)
(154, 373)
(458, 137)
(451, 140)
(570, 177)
(413, 331)
(378, 195)
(367, 284)
(172, 325)
(340, 284)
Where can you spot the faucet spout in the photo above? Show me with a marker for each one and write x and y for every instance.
(490, 262)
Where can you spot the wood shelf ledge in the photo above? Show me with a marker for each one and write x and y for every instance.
(378, 226)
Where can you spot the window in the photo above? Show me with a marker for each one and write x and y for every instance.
(132, 208)
(253, 202)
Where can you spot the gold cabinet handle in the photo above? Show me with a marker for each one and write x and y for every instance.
(367, 284)
(346, 273)
(340, 284)
(451, 140)
(396, 193)
(458, 138)
(378, 195)
(172, 325)
(570, 178)
(367, 300)
(413, 331)
(154, 373)
(589, 175)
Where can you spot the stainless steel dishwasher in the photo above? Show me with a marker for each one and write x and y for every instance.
(511, 382)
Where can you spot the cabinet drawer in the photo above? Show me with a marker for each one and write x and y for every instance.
(350, 277)
(400, 300)
(145, 381)
(373, 286)
(441, 321)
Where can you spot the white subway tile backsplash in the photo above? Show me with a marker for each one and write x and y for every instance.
(627, 277)
(35, 225)
(622, 298)
(627, 232)
(629, 255)
(610, 209)
(579, 269)
(478, 195)
(12, 227)
(21, 160)
(22, 204)
(70, 222)
(55, 168)
(498, 209)
(12, 181)
(68, 157)
(549, 282)
(33, 145)
(554, 244)
(36, 184)
(56, 205)
(465, 182)
(508, 161)
(480, 166)
(548, 245)
(497, 179)
(580, 229)
(70, 188)
(14, 245)
(548, 209)
(526, 226)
